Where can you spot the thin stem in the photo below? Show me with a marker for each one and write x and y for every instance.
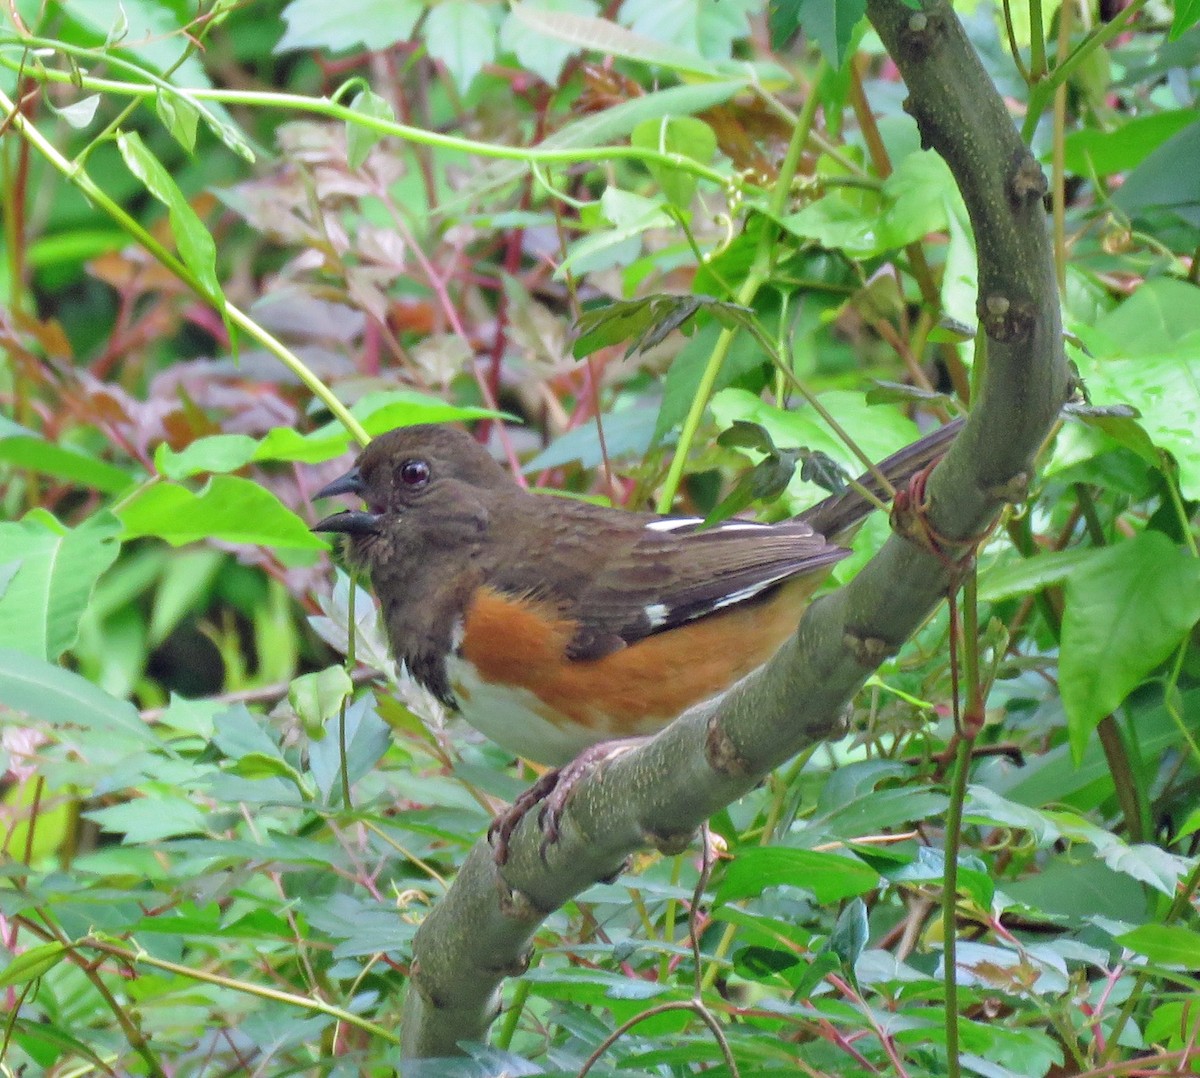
(1044, 90)
(79, 177)
(333, 110)
(755, 279)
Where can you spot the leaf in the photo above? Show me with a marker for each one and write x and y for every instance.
(704, 29)
(367, 738)
(78, 114)
(1090, 151)
(1145, 356)
(532, 33)
(1187, 13)
(46, 458)
(627, 433)
(1168, 945)
(318, 695)
(462, 35)
(56, 571)
(261, 765)
(193, 241)
(647, 321)
(1147, 864)
(31, 964)
(62, 698)
(850, 934)
(150, 819)
(608, 38)
(830, 877)
(831, 23)
(1126, 610)
(347, 24)
(603, 128)
(179, 116)
(360, 138)
(683, 135)
(1167, 179)
(1020, 576)
(215, 453)
(228, 509)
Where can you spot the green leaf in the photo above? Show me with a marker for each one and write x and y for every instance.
(78, 114)
(361, 137)
(703, 29)
(1020, 576)
(533, 34)
(31, 964)
(179, 116)
(149, 819)
(462, 34)
(318, 695)
(1103, 153)
(56, 571)
(1126, 610)
(1166, 180)
(215, 453)
(850, 934)
(348, 24)
(645, 322)
(830, 877)
(367, 738)
(236, 733)
(1144, 355)
(228, 508)
(1187, 13)
(878, 431)
(62, 698)
(831, 23)
(193, 241)
(46, 458)
(261, 765)
(683, 135)
(1168, 945)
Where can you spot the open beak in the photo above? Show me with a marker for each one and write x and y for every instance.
(350, 522)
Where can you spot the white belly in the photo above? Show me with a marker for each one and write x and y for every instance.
(510, 717)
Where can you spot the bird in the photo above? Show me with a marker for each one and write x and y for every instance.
(557, 627)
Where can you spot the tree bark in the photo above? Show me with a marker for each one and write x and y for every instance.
(661, 792)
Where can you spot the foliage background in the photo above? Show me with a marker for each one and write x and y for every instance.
(217, 240)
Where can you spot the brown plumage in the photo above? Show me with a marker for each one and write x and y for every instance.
(555, 624)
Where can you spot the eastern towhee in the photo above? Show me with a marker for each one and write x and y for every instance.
(553, 625)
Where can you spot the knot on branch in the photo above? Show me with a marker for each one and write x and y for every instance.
(1027, 183)
(667, 843)
(516, 905)
(1005, 320)
(922, 34)
(1013, 491)
(868, 651)
(722, 755)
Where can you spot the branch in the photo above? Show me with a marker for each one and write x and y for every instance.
(661, 792)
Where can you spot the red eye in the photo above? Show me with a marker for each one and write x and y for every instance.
(414, 473)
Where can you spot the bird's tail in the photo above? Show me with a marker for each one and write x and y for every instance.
(840, 514)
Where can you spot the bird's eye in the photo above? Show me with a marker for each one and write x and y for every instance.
(414, 473)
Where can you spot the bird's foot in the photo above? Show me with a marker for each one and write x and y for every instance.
(552, 792)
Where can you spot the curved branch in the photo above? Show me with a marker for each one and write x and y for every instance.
(661, 792)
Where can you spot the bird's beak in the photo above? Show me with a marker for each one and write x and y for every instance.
(350, 483)
(350, 522)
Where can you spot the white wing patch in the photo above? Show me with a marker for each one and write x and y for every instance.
(674, 524)
(671, 524)
(659, 614)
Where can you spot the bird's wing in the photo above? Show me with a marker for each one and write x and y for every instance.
(621, 578)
